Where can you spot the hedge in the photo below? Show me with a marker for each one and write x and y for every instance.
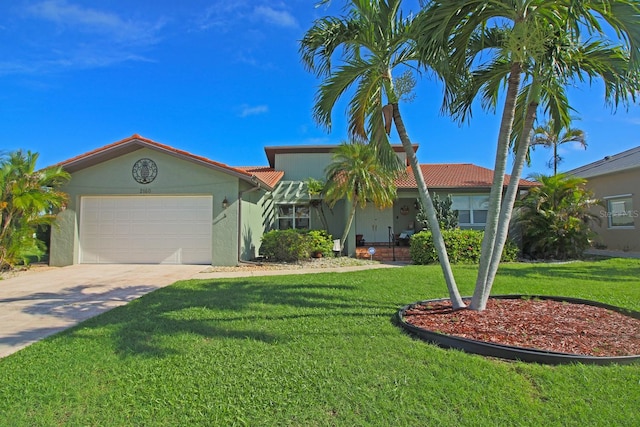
(463, 247)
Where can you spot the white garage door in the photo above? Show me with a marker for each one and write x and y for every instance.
(146, 230)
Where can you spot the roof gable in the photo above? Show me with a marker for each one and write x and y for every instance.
(137, 142)
(629, 159)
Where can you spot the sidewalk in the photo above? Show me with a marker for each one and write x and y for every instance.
(613, 254)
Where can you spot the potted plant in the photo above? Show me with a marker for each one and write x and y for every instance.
(320, 243)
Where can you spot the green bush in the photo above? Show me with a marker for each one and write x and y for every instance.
(320, 242)
(294, 245)
(463, 247)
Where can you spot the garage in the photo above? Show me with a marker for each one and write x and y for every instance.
(146, 229)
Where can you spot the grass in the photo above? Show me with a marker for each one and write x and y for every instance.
(315, 350)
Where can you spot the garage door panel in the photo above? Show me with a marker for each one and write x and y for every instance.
(149, 229)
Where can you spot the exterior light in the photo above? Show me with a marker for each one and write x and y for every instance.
(225, 203)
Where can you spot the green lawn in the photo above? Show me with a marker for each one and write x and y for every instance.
(315, 350)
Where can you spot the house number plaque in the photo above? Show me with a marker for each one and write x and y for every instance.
(144, 171)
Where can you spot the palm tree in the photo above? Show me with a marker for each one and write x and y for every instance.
(375, 40)
(548, 135)
(536, 48)
(554, 217)
(28, 198)
(355, 174)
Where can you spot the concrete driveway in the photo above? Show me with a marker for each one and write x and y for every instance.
(39, 303)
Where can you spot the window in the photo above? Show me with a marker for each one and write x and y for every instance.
(620, 211)
(293, 216)
(472, 210)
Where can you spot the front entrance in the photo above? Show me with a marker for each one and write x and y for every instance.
(374, 223)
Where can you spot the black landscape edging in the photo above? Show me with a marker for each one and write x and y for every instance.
(513, 352)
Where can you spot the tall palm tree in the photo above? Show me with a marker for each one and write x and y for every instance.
(536, 48)
(28, 198)
(548, 135)
(374, 41)
(356, 174)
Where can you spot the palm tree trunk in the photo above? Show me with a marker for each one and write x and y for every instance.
(508, 202)
(347, 227)
(495, 199)
(425, 197)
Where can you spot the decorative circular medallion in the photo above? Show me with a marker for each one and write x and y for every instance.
(145, 171)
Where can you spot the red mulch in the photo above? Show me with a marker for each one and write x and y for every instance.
(532, 323)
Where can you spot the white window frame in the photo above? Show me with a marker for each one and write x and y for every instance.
(298, 214)
(628, 211)
(469, 197)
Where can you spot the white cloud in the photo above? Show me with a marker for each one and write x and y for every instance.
(247, 110)
(77, 18)
(82, 38)
(281, 18)
(223, 15)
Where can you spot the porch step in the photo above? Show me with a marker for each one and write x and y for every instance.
(384, 253)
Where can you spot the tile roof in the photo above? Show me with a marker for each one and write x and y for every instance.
(136, 142)
(454, 175)
(629, 159)
(265, 174)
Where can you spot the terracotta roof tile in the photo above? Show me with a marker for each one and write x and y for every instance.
(454, 175)
(265, 174)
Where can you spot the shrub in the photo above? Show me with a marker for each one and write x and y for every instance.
(284, 245)
(463, 247)
(320, 242)
(555, 217)
(294, 245)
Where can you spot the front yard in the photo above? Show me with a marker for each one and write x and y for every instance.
(313, 350)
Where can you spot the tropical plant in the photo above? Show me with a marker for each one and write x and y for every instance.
(447, 217)
(536, 48)
(374, 41)
(552, 136)
(553, 219)
(28, 198)
(315, 187)
(356, 174)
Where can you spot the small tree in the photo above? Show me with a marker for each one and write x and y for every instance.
(355, 174)
(551, 136)
(447, 217)
(28, 198)
(315, 188)
(554, 218)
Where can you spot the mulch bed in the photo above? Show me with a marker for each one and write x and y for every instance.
(535, 323)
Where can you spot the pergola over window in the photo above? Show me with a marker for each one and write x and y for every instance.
(293, 216)
(292, 201)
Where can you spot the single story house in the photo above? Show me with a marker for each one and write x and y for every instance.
(139, 201)
(615, 180)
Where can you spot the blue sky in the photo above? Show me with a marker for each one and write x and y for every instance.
(221, 79)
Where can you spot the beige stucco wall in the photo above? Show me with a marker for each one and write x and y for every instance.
(176, 176)
(615, 184)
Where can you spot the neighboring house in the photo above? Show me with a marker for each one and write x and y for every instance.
(138, 201)
(615, 180)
